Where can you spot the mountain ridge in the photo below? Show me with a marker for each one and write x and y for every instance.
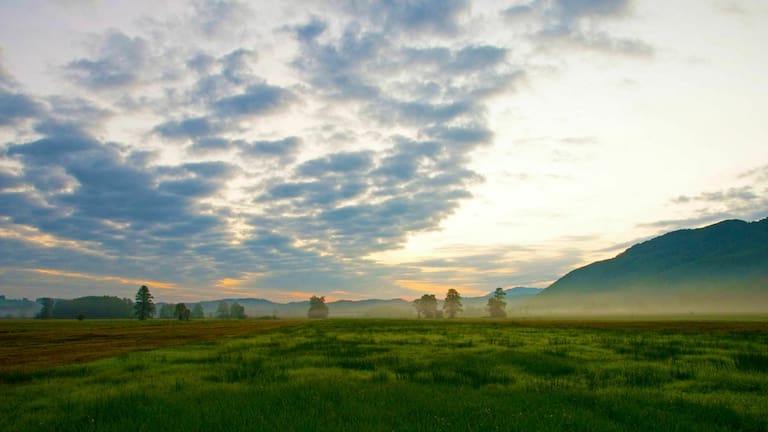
(723, 266)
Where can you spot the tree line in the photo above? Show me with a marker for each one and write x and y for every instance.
(145, 309)
(97, 307)
(426, 306)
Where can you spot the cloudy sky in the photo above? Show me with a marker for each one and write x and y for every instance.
(358, 149)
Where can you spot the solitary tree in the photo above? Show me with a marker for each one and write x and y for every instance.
(452, 304)
(317, 307)
(181, 312)
(197, 311)
(236, 311)
(496, 304)
(144, 308)
(223, 310)
(47, 311)
(426, 306)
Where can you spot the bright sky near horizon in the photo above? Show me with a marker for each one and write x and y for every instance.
(366, 149)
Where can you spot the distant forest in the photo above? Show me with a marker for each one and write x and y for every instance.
(18, 308)
(104, 307)
(98, 307)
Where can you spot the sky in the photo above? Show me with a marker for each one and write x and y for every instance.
(366, 149)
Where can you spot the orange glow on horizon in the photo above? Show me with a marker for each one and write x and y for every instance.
(229, 283)
(118, 279)
(425, 287)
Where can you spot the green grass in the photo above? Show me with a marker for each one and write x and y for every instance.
(352, 375)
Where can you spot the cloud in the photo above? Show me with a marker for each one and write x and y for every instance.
(523, 10)
(336, 212)
(6, 79)
(227, 85)
(499, 266)
(466, 135)
(749, 202)
(418, 113)
(759, 174)
(97, 188)
(407, 158)
(364, 228)
(405, 85)
(445, 60)
(337, 163)
(59, 146)
(256, 99)
(744, 193)
(211, 169)
(77, 110)
(16, 106)
(318, 193)
(312, 29)
(412, 16)
(599, 42)
(579, 8)
(119, 63)
(201, 63)
(339, 69)
(236, 65)
(8, 180)
(207, 145)
(219, 18)
(282, 148)
(576, 24)
(187, 128)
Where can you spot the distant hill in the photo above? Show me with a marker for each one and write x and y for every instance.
(375, 308)
(718, 268)
(254, 307)
(512, 293)
(476, 306)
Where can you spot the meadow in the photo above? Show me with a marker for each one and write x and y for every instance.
(384, 375)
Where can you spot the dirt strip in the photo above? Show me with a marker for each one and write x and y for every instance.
(30, 345)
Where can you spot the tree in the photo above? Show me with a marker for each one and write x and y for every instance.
(197, 311)
(317, 307)
(144, 308)
(223, 310)
(181, 312)
(236, 311)
(452, 304)
(47, 311)
(167, 311)
(426, 305)
(496, 304)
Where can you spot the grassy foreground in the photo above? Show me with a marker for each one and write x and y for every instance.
(352, 375)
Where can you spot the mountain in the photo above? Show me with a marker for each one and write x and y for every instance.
(718, 268)
(519, 292)
(512, 293)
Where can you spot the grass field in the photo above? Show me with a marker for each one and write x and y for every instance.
(353, 375)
